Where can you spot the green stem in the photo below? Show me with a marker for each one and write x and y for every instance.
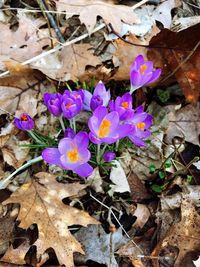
(74, 124)
(117, 146)
(5, 182)
(62, 123)
(31, 133)
(98, 153)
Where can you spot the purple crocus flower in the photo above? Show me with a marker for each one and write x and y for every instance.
(71, 154)
(141, 121)
(100, 97)
(123, 105)
(72, 103)
(105, 127)
(109, 156)
(142, 73)
(53, 103)
(24, 122)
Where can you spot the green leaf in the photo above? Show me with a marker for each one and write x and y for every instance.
(167, 163)
(189, 178)
(157, 188)
(152, 168)
(161, 174)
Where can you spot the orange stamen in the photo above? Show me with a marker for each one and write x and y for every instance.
(68, 105)
(143, 69)
(140, 125)
(125, 105)
(104, 128)
(24, 117)
(73, 155)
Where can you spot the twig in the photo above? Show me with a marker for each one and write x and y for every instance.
(118, 223)
(43, 5)
(31, 60)
(36, 11)
(139, 4)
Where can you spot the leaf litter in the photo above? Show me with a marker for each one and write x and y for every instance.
(107, 56)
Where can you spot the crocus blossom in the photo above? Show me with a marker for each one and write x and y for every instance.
(72, 103)
(141, 121)
(71, 154)
(24, 122)
(100, 97)
(109, 156)
(53, 103)
(105, 127)
(142, 73)
(123, 105)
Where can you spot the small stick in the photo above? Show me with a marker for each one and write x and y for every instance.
(109, 209)
(139, 4)
(43, 6)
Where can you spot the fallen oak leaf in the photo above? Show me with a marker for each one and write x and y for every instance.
(89, 10)
(41, 204)
(69, 63)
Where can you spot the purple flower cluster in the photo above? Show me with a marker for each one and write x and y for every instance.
(111, 120)
(69, 104)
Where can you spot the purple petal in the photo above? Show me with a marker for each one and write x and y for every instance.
(95, 102)
(139, 60)
(124, 130)
(87, 100)
(137, 141)
(155, 76)
(113, 118)
(51, 155)
(149, 66)
(94, 139)
(84, 170)
(69, 132)
(145, 78)
(17, 123)
(136, 78)
(81, 140)
(109, 156)
(148, 121)
(100, 89)
(65, 145)
(110, 140)
(93, 124)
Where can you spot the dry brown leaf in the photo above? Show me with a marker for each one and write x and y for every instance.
(142, 213)
(184, 123)
(20, 90)
(89, 10)
(68, 64)
(179, 53)
(41, 204)
(16, 256)
(185, 235)
(138, 190)
(13, 153)
(25, 42)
